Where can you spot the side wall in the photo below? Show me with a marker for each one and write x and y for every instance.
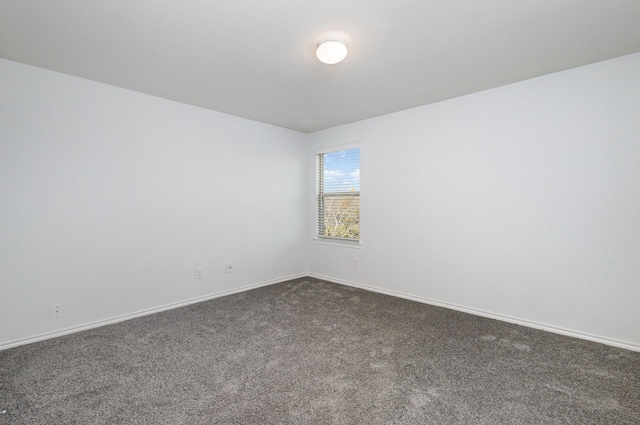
(521, 203)
(110, 199)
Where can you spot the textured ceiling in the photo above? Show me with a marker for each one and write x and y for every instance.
(255, 59)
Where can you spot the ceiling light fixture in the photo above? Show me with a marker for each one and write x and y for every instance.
(331, 52)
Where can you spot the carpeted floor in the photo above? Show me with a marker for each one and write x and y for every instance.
(313, 352)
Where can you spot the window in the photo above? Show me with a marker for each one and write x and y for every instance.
(338, 194)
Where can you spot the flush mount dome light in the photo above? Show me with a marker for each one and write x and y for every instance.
(331, 52)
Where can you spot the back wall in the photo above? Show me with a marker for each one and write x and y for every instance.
(521, 203)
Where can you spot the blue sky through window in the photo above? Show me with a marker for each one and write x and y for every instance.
(342, 171)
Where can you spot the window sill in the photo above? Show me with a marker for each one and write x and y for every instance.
(345, 243)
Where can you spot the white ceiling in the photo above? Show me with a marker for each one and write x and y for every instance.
(255, 59)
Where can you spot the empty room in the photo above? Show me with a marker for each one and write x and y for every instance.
(331, 212)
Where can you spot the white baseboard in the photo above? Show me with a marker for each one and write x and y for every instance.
(146, 312)
(477, 312)
(504, 318)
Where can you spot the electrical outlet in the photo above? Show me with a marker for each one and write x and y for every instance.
(228, 268)
(56, 311)
(199, 273)
(356, 263)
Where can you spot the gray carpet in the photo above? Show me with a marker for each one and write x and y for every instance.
(313, 352)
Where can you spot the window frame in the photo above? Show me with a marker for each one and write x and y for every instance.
(319, 180)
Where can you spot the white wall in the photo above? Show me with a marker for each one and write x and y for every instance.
(110, 199)
(521, 202)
